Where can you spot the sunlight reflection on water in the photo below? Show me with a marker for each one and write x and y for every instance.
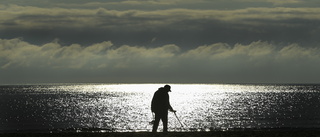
(126, 107)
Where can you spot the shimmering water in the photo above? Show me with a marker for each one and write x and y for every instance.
(126, 107)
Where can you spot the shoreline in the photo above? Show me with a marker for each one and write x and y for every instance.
(287, 133)
(107, 130)
(277, 132)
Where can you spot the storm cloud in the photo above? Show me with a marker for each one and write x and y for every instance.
(181, 41)
(256, 62)
(186, 27)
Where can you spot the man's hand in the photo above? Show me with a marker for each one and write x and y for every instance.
(174, 111)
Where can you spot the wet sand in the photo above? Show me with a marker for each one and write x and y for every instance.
(287, 133)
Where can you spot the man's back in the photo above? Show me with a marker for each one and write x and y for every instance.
(160, 101)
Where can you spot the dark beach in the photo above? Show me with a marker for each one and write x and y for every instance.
(174, 134)
(251, 133)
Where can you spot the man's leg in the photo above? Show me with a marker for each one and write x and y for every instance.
(156, 122)
(165, 122)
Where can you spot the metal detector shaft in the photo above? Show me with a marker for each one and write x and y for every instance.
(178, 118)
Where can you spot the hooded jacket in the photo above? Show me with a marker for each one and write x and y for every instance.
(160, 101)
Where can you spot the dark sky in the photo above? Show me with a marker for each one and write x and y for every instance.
(176, 41)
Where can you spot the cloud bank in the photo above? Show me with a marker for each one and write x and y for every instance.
(36, 17)
(211, 41)
(257, 62)
(187, 27)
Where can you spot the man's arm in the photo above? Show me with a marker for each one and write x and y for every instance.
(169, 106)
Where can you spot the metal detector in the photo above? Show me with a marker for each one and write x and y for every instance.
(178, 119)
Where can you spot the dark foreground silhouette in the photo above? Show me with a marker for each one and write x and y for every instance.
(278, 133)
(160, 105)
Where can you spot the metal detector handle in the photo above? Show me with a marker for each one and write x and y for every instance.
(174, 111)
(178, 119)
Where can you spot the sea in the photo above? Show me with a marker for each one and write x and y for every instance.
(127, 107)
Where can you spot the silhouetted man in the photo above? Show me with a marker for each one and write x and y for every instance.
(160, 105)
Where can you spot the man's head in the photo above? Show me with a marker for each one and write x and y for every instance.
(167, 88)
